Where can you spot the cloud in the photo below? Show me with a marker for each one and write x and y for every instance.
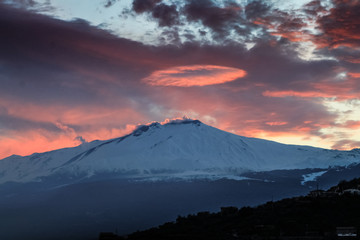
(276, 123)
(314, 8)
(23, 3)
(29, 128)
(226, 20)
(340, 28)
(352, 124)
(256, 9)
(195, 75)
(32, 5)
(287, 25)
(354, 75)
(33, 141)
(339, 90)
(219, 18)
(141, 6)
(109, 3)
(346, 144)
(335, 22)
(60, 80)
(292, 93)
(167, 15)
(210, 15)
(80, 139)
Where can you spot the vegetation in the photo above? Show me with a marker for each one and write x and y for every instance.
(310, 216)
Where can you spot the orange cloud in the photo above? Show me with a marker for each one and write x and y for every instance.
(81, 114)
(352, 124)
(195, 75)
(350, 59)
(354, 75)
(340, 28)
(35, 141)
(276, 123)
(346, 144)
(295, 36)
(341, 90)
(291, 93)
(41, 140)
(59, 126)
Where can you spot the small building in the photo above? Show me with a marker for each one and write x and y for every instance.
(316, 193)
(352, 191)
(346, 232)
(331, 194)
(109, 236)
(322, 193)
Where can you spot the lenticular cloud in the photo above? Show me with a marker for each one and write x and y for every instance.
(194, 75)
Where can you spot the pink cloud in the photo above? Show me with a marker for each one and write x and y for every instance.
(40, 140)
(195, 75)
(354, 75)
(276, 123)
(352, 124)
(58, 126)
(35, 140)
(346, 144)
(342, 90)
(293, 93)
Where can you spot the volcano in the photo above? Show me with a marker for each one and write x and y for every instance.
(182, 148)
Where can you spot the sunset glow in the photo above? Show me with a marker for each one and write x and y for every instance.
(71, 74)
(196, 75)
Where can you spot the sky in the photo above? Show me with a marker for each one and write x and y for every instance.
(76, 71)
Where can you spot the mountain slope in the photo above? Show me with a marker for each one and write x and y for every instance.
(305, 217)
(180, 148)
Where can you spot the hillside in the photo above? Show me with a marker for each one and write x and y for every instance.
(316, 215)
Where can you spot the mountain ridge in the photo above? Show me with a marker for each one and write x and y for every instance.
(318, 215)
(181, 148)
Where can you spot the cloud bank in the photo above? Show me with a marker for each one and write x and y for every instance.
(66, 82)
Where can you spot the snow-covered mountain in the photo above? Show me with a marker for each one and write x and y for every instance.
(179, 148)
(141, 180)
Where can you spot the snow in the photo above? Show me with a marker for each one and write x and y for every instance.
(187, 176)
(175, 149)
(312, 177)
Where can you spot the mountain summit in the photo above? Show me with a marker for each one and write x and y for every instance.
(178, 148)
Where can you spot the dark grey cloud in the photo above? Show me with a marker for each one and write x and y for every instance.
(211, 15)
(13, 123)
(110, 3)
(37, 52)
(167, 15)
(340, 32)
(80, 139)
(171, 36)
(314, 8)
(291, 24)
(32, 5)
(141, 6)
(256, 9)
(23, 3)
(220, 20)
